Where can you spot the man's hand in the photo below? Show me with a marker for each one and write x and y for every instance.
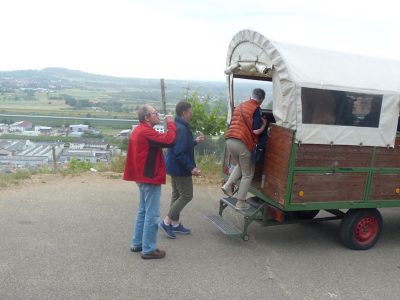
(168, 118)
(196, 172)
(199, 137)
(264, 120)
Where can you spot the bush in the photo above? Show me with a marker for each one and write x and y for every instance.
(210, 166)
(118, 164)
(211, 146)
(79, 165)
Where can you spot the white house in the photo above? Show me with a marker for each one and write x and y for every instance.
(78, 128)
(159, 128)
(3, 127)
(43, 129)
(20, 126)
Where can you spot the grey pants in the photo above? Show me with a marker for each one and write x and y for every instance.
(182, 193)
(244, 168)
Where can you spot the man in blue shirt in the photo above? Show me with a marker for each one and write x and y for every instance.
(181, 167)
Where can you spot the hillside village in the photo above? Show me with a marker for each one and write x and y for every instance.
(24, 153)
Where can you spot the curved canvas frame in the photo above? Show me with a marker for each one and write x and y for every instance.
(293, 67)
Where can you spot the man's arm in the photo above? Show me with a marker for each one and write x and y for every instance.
(259, 123)
(162, 140)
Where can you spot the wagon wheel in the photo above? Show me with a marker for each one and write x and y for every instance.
(360, 229)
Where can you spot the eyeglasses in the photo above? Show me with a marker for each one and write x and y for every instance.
(155, 113)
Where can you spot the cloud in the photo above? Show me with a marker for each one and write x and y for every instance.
(179, 39)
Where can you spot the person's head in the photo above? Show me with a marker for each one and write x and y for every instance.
(148, 114)
(259, 95)
(184, 110)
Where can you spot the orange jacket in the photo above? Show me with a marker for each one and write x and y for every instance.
(240, 128)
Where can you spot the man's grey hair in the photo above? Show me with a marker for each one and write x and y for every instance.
(259, 95)
(143, 111)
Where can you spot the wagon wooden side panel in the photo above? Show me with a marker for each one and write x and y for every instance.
(276, 163)
(388, 157)
(328, 187)
(385, 187)
(335, 156)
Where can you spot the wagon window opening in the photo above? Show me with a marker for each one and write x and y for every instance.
(242, 89)
(331, 107)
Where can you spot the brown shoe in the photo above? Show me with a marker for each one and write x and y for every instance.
(154, 255)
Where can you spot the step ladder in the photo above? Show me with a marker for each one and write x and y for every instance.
(253, 213)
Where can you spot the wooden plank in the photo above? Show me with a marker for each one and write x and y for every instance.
(279, 139)
(388, 157)
(333, 156)
(330, 187)
(280, 131)
(275, 188)
(276, 164)
(385, 187)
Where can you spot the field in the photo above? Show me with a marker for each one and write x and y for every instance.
(59, 97)
(41, 110)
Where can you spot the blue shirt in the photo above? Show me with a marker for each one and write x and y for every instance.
(257, 120)
(257, 123)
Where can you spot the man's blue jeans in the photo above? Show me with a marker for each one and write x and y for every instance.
(147, 218)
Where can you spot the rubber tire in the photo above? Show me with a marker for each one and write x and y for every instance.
(356, 219)
(305, 214)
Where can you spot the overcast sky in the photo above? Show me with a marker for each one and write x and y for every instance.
(182, 39)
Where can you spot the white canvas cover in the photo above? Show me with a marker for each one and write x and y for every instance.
(292, 67)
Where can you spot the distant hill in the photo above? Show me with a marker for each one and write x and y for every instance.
(136, 88)
(66, 78)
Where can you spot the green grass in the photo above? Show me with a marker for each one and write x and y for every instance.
(209, 164)
(14, 178)
(211, 168)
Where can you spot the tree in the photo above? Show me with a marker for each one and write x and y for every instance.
(207, 118)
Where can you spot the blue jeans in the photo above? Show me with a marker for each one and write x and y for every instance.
(147, 218)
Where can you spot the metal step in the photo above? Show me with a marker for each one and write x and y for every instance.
(231, 202)
(224, 226)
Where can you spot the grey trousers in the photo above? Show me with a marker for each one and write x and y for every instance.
(182, 193)
(243, 169)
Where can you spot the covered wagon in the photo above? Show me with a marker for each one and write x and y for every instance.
(332, 139)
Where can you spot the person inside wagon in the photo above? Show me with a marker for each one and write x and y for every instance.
(240, 141)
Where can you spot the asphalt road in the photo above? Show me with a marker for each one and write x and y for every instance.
(68, 238)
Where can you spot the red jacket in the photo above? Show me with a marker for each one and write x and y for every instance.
(145, 159)
(240, 128)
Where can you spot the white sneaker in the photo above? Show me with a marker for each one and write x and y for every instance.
(226, 192)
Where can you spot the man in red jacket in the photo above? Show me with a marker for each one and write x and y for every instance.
(145, 165)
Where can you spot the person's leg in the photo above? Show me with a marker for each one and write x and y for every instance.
(137, 233)
(247, 167)
(165, 225)
(174, 196)
(152, 195)
(184, 186)
(232, 147)
(175, 191)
